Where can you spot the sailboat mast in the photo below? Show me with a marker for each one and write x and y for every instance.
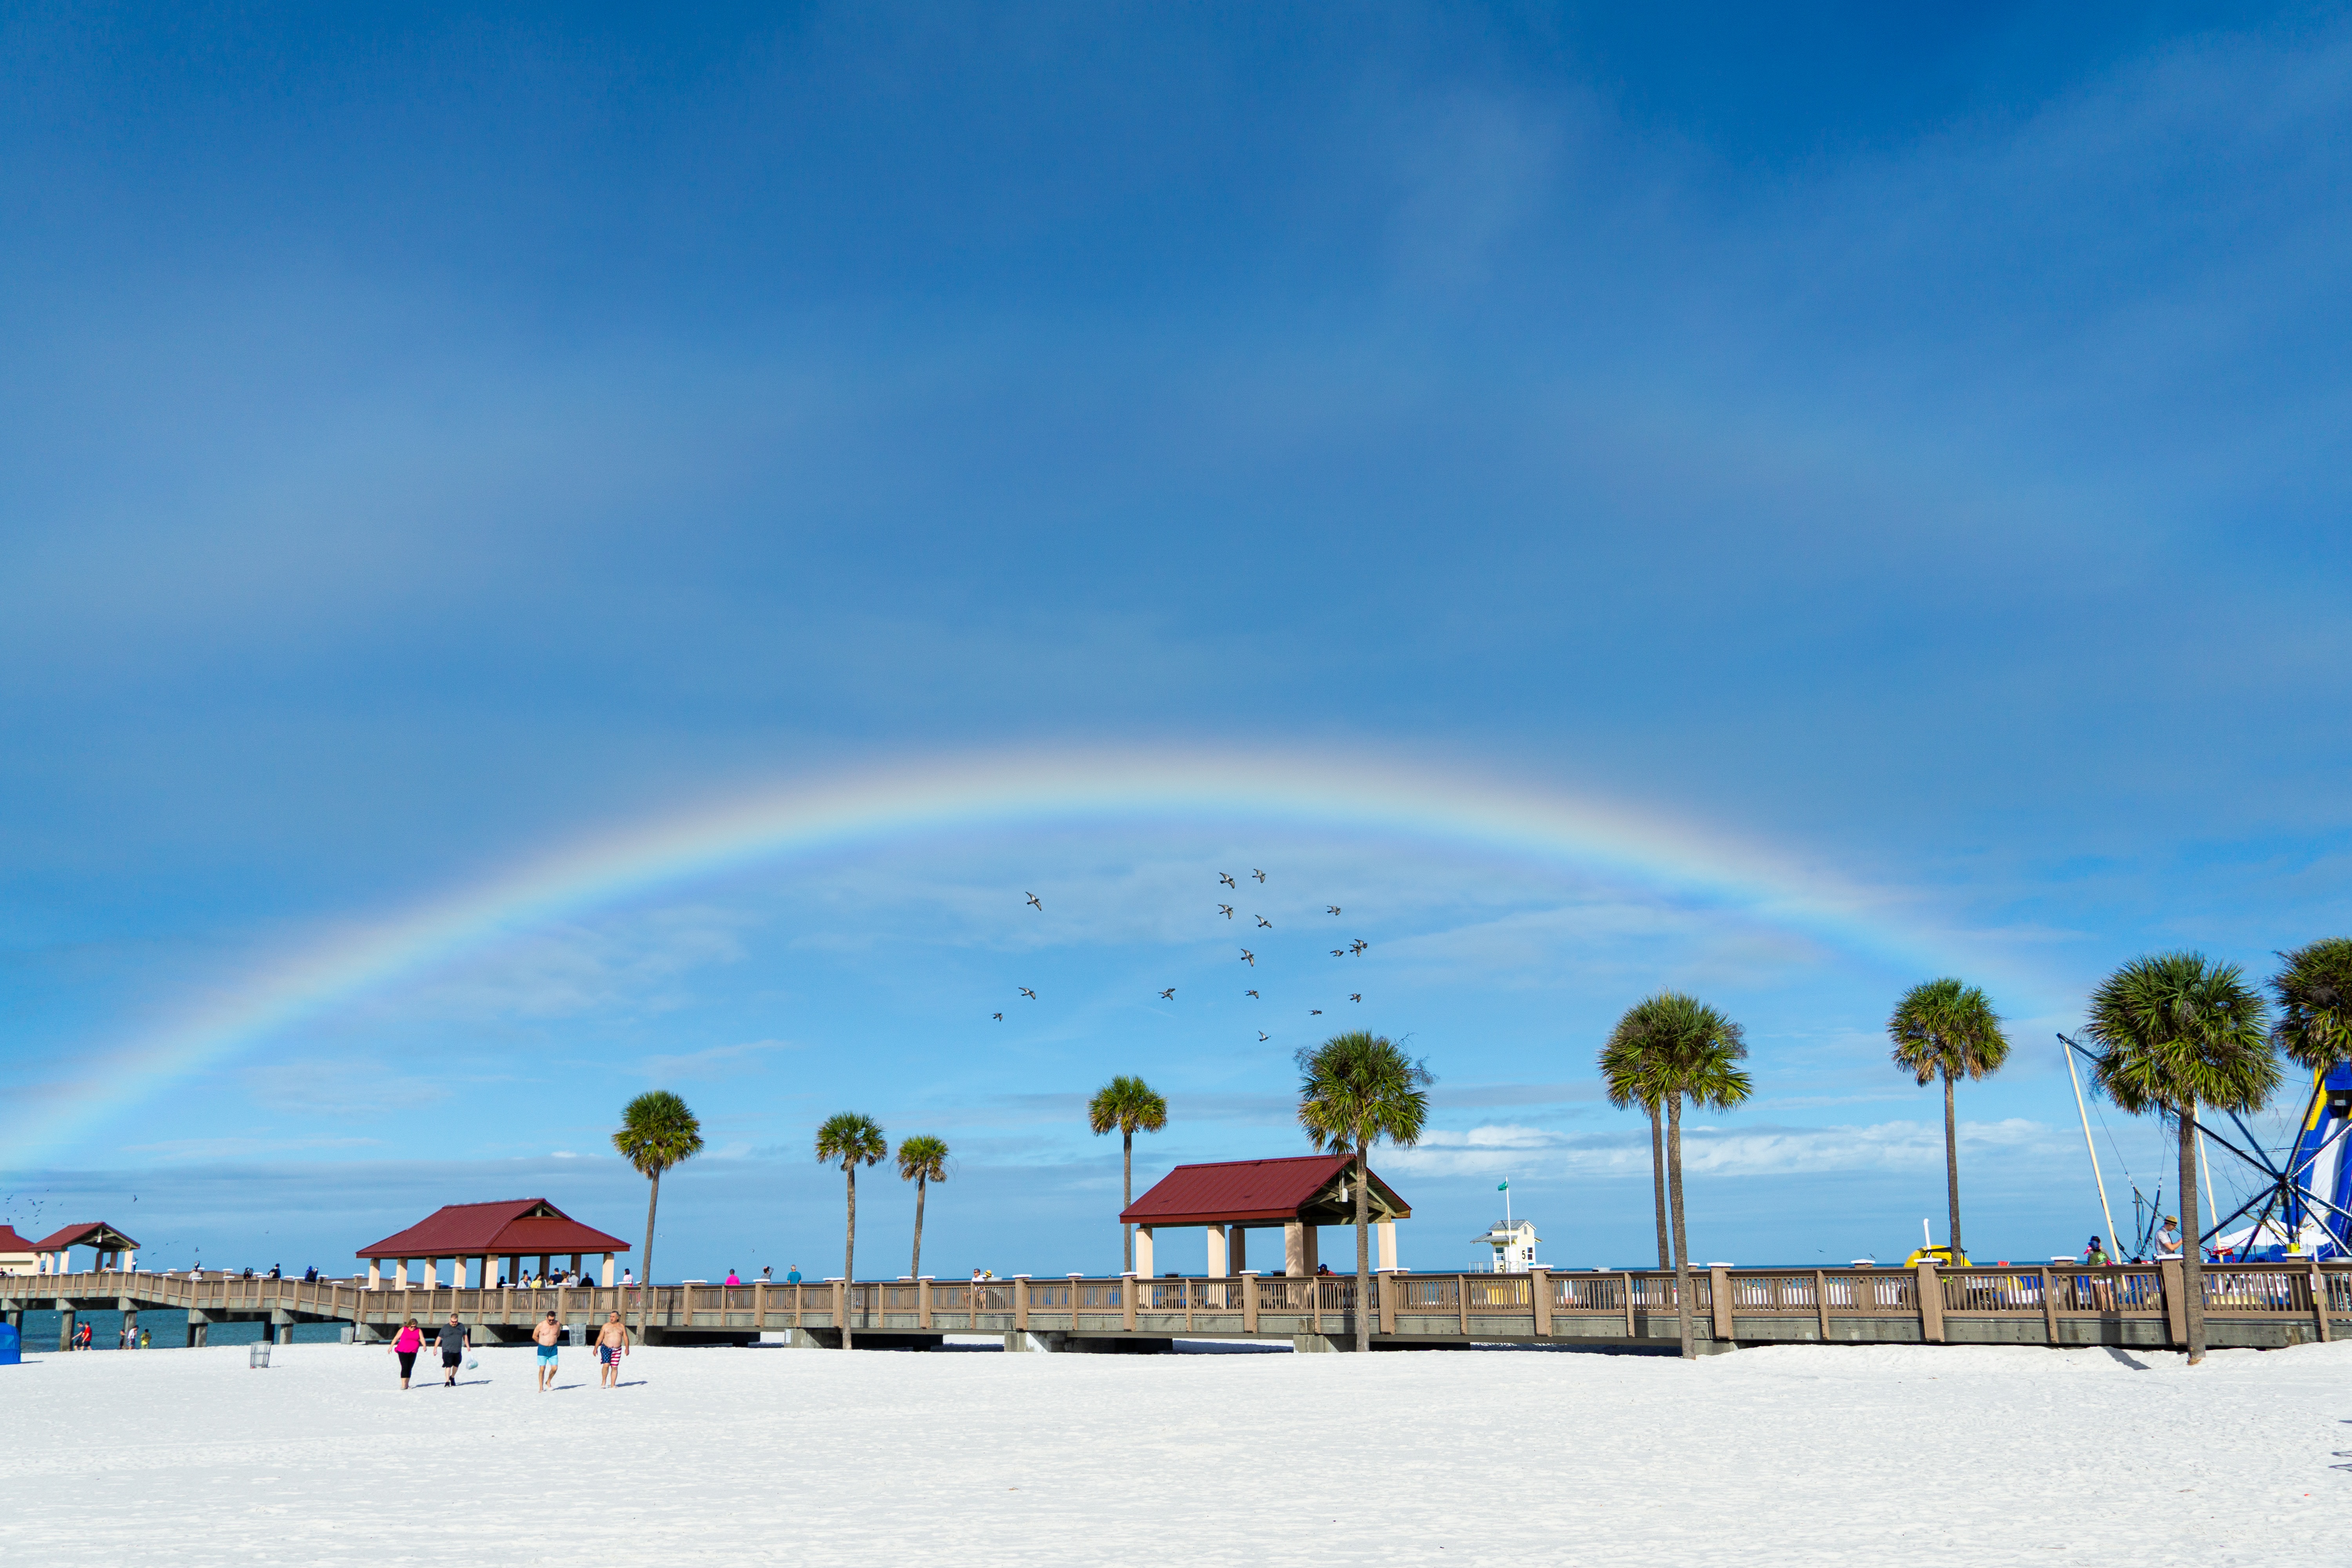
(2092, 1149)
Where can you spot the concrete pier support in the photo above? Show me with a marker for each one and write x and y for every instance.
(65, 1325)
(197, 1324)
(281, 1326)
(1053, 1342)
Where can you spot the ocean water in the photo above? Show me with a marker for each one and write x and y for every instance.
(169, 1329)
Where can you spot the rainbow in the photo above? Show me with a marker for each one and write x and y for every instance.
(1325, 792)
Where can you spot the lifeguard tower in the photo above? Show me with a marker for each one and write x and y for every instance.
(1513, 1244)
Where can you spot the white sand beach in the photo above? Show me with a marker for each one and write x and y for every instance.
(1794, 1455)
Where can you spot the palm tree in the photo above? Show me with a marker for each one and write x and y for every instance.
(2314, 998)
(850, 1138)
(656, 1131)
(1132, 1106)
(922, 1160)
(2178, 1030)
(1680, 1048)
(1353, 1090)
(1624, 1074)
(1944, 1028)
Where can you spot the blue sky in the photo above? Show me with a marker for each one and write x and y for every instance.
(1910, 448)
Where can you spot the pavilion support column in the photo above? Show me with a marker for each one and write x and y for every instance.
(375, 1273)
(1238, 1261)
(1144, 1268)
(575, 1263)
(402, 1267)
(1388, 1245)
(1298, 1249)
(1216, 1252)
(543, 1259)
(608, 1271)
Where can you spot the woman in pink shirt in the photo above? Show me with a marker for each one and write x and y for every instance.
(410, 1339)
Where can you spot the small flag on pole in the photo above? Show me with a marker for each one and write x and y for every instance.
(1502, 1186)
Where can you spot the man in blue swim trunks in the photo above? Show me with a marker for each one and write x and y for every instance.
(544, 1336)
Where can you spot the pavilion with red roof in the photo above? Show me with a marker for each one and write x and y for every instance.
(515, 1231)
(17, 1256)
(1232, 1198)
(56, 1249)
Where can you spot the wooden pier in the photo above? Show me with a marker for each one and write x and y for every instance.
(2264, 1305)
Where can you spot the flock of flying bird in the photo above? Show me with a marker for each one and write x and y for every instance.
(1356, 948)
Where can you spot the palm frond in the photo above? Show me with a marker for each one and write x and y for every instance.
(657, 1131)
(850, 1138)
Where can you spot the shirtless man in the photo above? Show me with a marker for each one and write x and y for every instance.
(612, 1344)
(544, 1336)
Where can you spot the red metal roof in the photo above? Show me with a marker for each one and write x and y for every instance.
(95, 1233)
(518, 1228)
(1246, 1190)
(11, 1242)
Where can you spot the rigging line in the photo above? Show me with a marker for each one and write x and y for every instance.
(2324, 1145)
(2263, 1197)
(2253, 1143)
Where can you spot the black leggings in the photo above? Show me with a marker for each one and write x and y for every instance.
(407, 1364)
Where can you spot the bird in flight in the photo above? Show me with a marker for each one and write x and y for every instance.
(1226, 878)
(1264, 1037)
(1266, 922)
(1032, 898)
(1355, 996)
(1339, 952)
(1249, 994)
(1226, 911)
(1358, 946)
(1249, 958)
(1169, 995)
(1031, 994)
(1315, 1012)
(1331, 908)
(1259, 875)
(998, 1016)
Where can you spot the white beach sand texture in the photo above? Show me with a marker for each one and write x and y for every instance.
(1876, 1456)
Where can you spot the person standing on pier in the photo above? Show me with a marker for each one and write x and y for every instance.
(405, 1345)
(612, 1344)
(546, 1335)
(454, 1346)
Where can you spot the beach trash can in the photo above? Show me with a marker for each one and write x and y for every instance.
(258, 1353)
(12, 1347)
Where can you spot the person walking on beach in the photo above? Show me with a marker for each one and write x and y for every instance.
(454, 1343)
(405, 1345)
(545, 1335)
(612, 1344)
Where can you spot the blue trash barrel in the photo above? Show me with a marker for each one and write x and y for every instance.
(12, 1351)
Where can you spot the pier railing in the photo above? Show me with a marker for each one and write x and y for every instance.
(2053, 1304)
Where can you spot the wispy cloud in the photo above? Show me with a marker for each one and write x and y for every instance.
(717, 1061)
(1507, 1149)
